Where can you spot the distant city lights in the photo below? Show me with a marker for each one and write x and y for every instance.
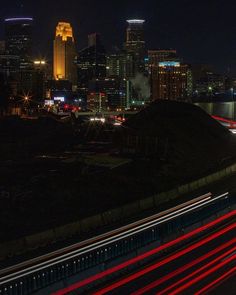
(102, 120)
(39, 62)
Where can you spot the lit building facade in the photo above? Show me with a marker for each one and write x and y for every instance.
(59, 91)
(120, 65)
(18, 38)
(154, 58)
(64, 54)
(135, 43)
(172, 82)
(113, 91)
(210, 84)
(39, 80)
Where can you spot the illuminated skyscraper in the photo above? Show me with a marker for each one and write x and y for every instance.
(120, 65)
(154, 58)
(64, 67)
(18, 37)
(135, 42)
(172, 82)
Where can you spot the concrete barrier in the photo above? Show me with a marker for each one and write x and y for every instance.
(44, 238)
(91, 223)
(131, 209)
(146, 204)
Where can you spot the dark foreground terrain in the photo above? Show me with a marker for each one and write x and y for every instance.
(49, 176)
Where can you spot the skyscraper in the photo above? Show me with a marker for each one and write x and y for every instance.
(172, 82)
(91, 63)
(120, 65)
(135, 42)
(18, 37)
(154, 58)
(64, 54)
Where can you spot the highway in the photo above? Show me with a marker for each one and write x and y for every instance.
(103, 240)
(192, 267)
(43, 271)
(192, 270)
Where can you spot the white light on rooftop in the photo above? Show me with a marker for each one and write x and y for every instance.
(135, 21)
(19, 19)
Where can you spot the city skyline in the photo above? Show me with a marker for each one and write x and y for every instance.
(118, 147)
(200, 32)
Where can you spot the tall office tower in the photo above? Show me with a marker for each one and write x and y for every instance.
(120, 65)
(91, 63)
(172, 82)
(154, 58)
(64, 54)
(135, 43)
(39, 80)
(18, 37)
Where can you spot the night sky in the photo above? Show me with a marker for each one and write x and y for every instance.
(201, 31)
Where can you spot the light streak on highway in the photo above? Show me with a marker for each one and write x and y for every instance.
(231, 122)
(118, 232)
(217, 282)
(145, 255)
(203, 275)
(185, 267)
(192, 205)
(164, 261)
(180, 282)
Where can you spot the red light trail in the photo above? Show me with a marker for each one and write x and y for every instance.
(143, 256)
(164, 261)
(218, 281)
(179, 282)
(231, 122)
(183, 268)
(202, 276)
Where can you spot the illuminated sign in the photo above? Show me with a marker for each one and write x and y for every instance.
(49, 102)
(59, 98)
(169, 64)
